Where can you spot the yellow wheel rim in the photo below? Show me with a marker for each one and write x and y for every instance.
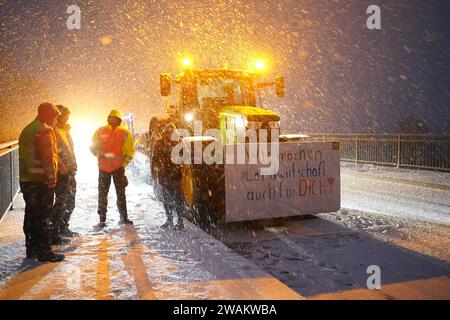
(188, 185)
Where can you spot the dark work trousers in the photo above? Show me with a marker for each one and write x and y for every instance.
(173, 203)
(120, 183)
(38, 211)
(65, 192)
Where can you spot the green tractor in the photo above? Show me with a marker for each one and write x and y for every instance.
(214, 193)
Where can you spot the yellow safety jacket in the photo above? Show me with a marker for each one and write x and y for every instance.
(67, 161)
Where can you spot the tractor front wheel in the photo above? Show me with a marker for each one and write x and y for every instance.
(202, 193)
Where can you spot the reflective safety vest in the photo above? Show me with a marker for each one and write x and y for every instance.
(66, 155)
(38, 153)
(110, 146)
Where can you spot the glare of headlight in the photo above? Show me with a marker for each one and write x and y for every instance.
(189, 117)
(240, 122)
(82, 132)
(186, 62)
(260, 65)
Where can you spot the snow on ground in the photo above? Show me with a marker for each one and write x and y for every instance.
(286, 258)
(420, 236)
(413, 175)
(316, 255)
(412, 194)
(398, 220)
(130, 262)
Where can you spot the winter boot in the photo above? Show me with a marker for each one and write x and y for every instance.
(69, 233)
(60, 240)
(99, 226)
(168, 224)
(49, 256)
(180, 224)
(32, 253)
(102, 222)
(125, 221)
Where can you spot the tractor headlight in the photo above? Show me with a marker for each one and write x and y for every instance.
(240, 122)
(189, 117)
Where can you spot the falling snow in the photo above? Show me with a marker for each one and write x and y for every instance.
(340, 76)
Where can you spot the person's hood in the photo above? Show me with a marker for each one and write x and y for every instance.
(47, 113)
(115, 113)
(63, 109)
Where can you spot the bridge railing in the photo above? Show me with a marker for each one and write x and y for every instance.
(423, 151)
(9, 174)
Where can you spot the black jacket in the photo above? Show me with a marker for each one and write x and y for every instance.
(169, 172)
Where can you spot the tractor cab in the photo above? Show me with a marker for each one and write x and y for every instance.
(207, 94)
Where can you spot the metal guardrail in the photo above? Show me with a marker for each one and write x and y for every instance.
(9, 174)
(422, 151)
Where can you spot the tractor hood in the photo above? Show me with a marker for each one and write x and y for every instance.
(251, 113)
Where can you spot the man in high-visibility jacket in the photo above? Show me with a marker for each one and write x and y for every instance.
(38, 167)
(113, 146)
(66, 186)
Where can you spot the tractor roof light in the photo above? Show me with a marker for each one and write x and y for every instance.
(186, 62)
(260, 65)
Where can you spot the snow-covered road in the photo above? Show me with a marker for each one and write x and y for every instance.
(130, 262)
(397, 219)
(314, 257)
(410, 194)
